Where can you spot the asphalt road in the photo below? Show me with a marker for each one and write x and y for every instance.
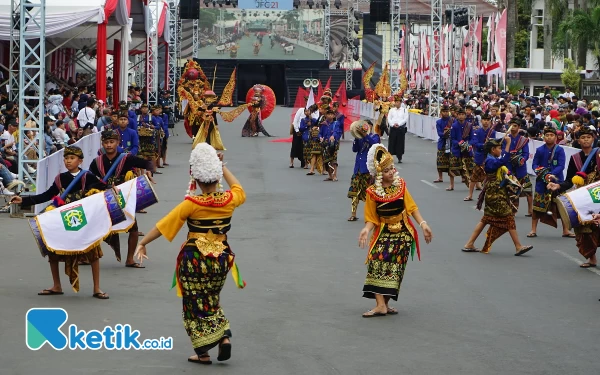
(301, 312)
(246, 51)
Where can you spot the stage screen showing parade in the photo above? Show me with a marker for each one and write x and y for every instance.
(260, 34)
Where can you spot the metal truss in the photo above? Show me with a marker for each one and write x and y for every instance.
(435, 77)
(395, 45)
(171, 79)
(222, 25)
(455, 53)
(152, 55)
(472, 73)
(31, 82)
(140, 64)
(195, 39)
(352, 7)
(327, 31)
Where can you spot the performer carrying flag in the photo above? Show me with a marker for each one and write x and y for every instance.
(115, 167)
(68, 187)
(205, 258)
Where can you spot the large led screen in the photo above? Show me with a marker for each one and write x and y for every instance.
(261, 34)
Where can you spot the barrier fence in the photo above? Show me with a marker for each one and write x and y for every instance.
(49, 167)
(424, 127)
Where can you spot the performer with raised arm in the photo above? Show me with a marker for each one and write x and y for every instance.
(206, 257)
(498, 212)
(114, 168)
(68, 187)
(387, 210)
(364, 138)
(480, 137)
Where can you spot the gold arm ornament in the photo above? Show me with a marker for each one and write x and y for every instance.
(233, 114)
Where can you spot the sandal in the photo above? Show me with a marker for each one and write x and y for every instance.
(467, 199)
(372, 314)
(101, 295)
(532, 235)
(224, 351)
(328, 179)
(588, 265)
(392, 311)
(198, 360)
(449, 189)
(142, 212)
(134, 265)
(352, 218)
(570, 235)
(49, 292)
(438, 181)
(523, 250)
(470, 249)
(310, 173)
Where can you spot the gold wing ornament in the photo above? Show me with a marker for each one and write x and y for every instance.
(233, 114)
(227, 94)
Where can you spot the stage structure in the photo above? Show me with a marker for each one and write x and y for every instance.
(172, 75)
(395, 45)
(435, 77)
(195, 40)
(152, 86)
(29, 20)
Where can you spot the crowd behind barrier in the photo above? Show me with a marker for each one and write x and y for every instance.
(49, 167)
(424, 127)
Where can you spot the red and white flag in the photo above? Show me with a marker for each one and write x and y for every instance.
(500, 44)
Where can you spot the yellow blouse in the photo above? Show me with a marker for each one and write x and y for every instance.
(371, 208)
(205, 206)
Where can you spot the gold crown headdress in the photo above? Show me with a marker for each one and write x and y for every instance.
(378, 159)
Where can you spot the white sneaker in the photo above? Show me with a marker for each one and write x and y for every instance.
(30, 170)
(5, 191)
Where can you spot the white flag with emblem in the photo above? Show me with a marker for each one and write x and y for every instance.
(75, 227)
(585, 201)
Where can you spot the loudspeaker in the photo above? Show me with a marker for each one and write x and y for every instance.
(380, 11)
(189, 9)
(369, 26)
(483, 80)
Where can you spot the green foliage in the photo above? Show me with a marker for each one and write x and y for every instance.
(521, 52)
(570, 76)
(208, 17)
(514, 86)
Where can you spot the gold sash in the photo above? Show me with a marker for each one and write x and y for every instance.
(209, 244)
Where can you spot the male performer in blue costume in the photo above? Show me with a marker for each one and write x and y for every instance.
(548, 164)
(461, 156)
(129, 137)
(443, 126)
(480, 136)
(519, 154)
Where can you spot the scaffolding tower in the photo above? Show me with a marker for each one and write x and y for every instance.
(171, 79)
(435, 79)
(327, 29)
(28, 27)
(395, 45)
(352, 7)
(152, 55)
(195, 39)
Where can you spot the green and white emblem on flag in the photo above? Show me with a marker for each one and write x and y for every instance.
(585, 201)
(75, 227)
(74, 218)
(128, 197)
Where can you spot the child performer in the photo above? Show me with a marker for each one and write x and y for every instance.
(364, 138)
(498, 212)
(68, 187)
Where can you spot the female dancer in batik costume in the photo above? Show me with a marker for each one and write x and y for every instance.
(313, 148)
(205, 258)
(499, 198)
(387, 210)
(364, 138)
(254, 124)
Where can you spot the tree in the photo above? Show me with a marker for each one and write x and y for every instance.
(570, 76)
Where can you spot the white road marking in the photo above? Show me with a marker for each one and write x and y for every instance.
(430, 184)
(575, 260)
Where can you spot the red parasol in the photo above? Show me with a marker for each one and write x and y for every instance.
(269, 104)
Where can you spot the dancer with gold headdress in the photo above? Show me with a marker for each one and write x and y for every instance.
(70, 186)
(387, 210)
(205, 258)
(253, 124)
(364, 138)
